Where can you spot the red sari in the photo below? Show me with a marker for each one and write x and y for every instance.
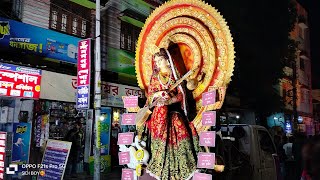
(174, 140)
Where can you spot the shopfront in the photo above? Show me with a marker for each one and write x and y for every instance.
(19, 86)
(54, 113)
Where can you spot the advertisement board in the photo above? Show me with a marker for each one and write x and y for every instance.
(105, 125)
(17, 36)
(20, 146)
(55, 160)
(18, 81)
(3, 140)
(83, 75)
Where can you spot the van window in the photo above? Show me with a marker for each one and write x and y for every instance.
(266, 143)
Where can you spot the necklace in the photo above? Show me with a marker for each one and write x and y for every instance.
(168, 82)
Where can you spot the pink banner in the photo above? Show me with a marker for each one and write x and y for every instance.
(125, 138)
(127, 174)
(208, 98)
(128, 119)
(209, 118)
(130, 101)
(202, 176)
(124, 158)
(208, 138)
(206, 160)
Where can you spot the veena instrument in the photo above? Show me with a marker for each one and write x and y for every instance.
(144, 113)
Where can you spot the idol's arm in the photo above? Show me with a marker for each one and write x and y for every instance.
(175, 99)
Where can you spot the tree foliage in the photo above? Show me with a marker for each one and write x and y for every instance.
(260, 31)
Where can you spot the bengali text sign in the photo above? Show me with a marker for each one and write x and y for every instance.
(130, 101)
(202, 176)
(18, 81)
(83, 75)
(206, 160)
(127, 174)
(55, 159)
(208, 138)
(128, 119)
(209, 118)
(124, 158)
(208, 98)
(125, 138)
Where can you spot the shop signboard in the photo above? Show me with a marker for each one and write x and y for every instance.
(3, 140)
(18, 81)
(62, 87)
(54, 160)
(21, 146)
(112, 93)
(83, 75)
(16, 36)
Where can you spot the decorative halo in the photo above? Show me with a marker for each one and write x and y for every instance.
(203, 37)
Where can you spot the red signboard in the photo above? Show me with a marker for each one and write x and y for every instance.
(19, 81)
(83, 75)
(84, 62)
(3, 137)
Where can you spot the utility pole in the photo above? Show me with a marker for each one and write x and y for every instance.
(97, 95)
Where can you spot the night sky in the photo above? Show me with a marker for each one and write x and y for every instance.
(313, 8)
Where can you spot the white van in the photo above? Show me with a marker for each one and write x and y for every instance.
(249, 153)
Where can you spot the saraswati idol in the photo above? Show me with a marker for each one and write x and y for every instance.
(184, 50)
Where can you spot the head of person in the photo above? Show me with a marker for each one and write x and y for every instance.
(161, 62)
(78, 125)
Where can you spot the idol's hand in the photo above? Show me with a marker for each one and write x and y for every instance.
(163, 102)
(162, 94)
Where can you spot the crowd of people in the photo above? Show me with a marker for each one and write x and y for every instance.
(299, 156)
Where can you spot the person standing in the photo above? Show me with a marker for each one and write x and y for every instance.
(76, 136)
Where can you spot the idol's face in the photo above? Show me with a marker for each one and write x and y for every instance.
(163, 65)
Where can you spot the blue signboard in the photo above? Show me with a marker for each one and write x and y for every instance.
(15, 36)
(20, 146)
(105, 130)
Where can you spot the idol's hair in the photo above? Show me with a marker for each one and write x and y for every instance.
(162, 53)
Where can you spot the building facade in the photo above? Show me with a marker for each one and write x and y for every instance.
(301, 80)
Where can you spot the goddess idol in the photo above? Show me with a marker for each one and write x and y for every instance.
(181, 40)
(174, 140)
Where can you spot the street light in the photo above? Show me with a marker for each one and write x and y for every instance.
(274, 121)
